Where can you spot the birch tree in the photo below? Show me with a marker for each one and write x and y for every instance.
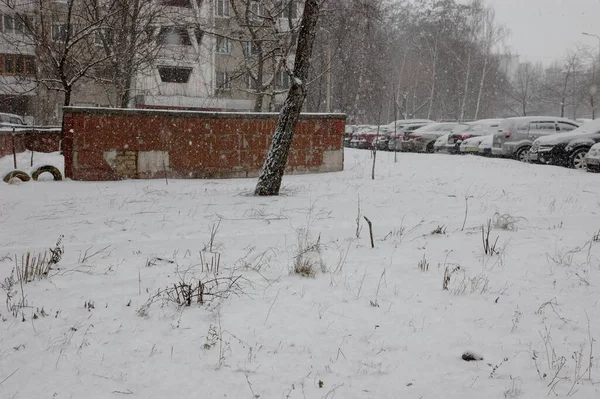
(269, 181)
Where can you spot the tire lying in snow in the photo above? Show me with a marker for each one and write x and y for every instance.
(47, 168)
(16, 174)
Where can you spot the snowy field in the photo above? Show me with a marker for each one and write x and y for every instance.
(371, 323)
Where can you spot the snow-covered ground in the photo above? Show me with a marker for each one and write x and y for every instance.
(370, 324)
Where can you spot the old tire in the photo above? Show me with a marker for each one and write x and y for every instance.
(576, 160)
(47, 168)
(19, 174)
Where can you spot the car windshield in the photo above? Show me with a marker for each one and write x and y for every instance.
(589, 127)
(460, 129)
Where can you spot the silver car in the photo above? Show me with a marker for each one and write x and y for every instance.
(516, 135)
(396, 139)
(482, 127)
(423, 139)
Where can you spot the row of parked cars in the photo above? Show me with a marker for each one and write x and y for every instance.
(536, 139)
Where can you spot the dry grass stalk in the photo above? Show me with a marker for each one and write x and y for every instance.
(32, 266)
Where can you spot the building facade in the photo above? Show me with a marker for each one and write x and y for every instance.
(185, 54)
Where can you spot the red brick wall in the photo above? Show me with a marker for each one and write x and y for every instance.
(34, 139)
(112, 144)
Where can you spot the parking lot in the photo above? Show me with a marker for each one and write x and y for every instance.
(538, 139)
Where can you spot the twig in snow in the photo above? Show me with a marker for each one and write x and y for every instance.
(270, 308)
(10, 375)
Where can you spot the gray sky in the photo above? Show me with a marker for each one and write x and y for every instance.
(543, 30)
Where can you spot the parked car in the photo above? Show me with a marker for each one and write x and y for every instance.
(481, 127)
(592, 159)
(348, 135)
(403, 122)
(516, 135)
(471, 145)
(440, 143)
(396, 139)
(423, 139)
(363, 136)
(566, 149)
(485, 148)
(11, 120)
(383, 138)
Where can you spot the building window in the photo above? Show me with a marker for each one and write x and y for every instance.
(222, 8)
(174, 35)
(222, 82)
(250, 49)
(9, 64)
(176, 3)
(256, 10)
(174, 74)
(60, 32)
(252, 83)
(287, 9)
(29, 65)
(222, 45)
(282, 80)
(17, 64)
(8, 23)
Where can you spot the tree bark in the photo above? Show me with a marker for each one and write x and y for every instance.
(269, 181)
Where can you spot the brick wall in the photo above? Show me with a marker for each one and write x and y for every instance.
(113, 144)
(33, 139)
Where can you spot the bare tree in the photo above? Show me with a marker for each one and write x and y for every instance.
(490, 34)
(558, 85)
(130, 42)
(524, 89)
(265, 33)
(64, 36)
(269, 181)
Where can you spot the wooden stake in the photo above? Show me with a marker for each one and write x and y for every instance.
(14, 149)
(370, 231)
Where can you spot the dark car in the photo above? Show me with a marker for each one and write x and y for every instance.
(566, 149)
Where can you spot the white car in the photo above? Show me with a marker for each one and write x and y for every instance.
(483, 127)
(485, 148)
(472, 144)
(440, 143)
(592, 159)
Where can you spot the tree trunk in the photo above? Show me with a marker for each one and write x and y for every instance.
(481, 84)
(466, 89)
(68, 91)
(260, 94)
(433, 81)
(269, 181)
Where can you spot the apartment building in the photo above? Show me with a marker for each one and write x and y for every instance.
(17, 63)
(194, 54)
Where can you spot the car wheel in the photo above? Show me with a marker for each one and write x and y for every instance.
(429, 148)
(521, 154)
(577, 160)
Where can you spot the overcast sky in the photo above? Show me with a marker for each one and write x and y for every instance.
(543, 30)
